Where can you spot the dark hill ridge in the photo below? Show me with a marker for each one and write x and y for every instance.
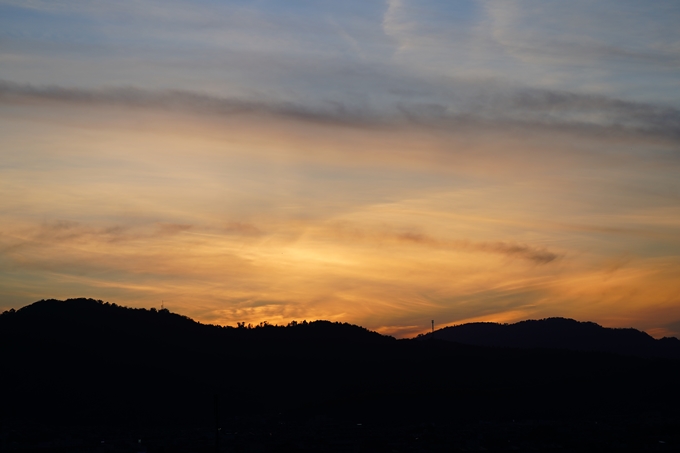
(88, 356)
(51, 317)
(92, 366)
(560, 333)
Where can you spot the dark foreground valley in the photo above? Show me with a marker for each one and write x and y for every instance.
(86, 376)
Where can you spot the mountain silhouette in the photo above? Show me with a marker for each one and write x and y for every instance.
(95, 318)
(88, 367)
(560, 333)
(71, 354)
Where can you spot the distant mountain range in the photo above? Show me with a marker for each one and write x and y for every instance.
(560, 333)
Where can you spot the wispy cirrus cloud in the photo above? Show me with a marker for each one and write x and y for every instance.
(538, 255)
(583, 32)
(72, 232)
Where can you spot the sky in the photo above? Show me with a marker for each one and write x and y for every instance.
(383, 163)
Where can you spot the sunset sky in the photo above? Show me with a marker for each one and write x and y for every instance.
(382, 163)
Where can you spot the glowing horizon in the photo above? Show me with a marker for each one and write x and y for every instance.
(383, 164)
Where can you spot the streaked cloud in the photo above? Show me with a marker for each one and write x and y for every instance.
(539, 255)
(585, 114)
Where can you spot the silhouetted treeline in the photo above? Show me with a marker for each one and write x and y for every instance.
(85, 362)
